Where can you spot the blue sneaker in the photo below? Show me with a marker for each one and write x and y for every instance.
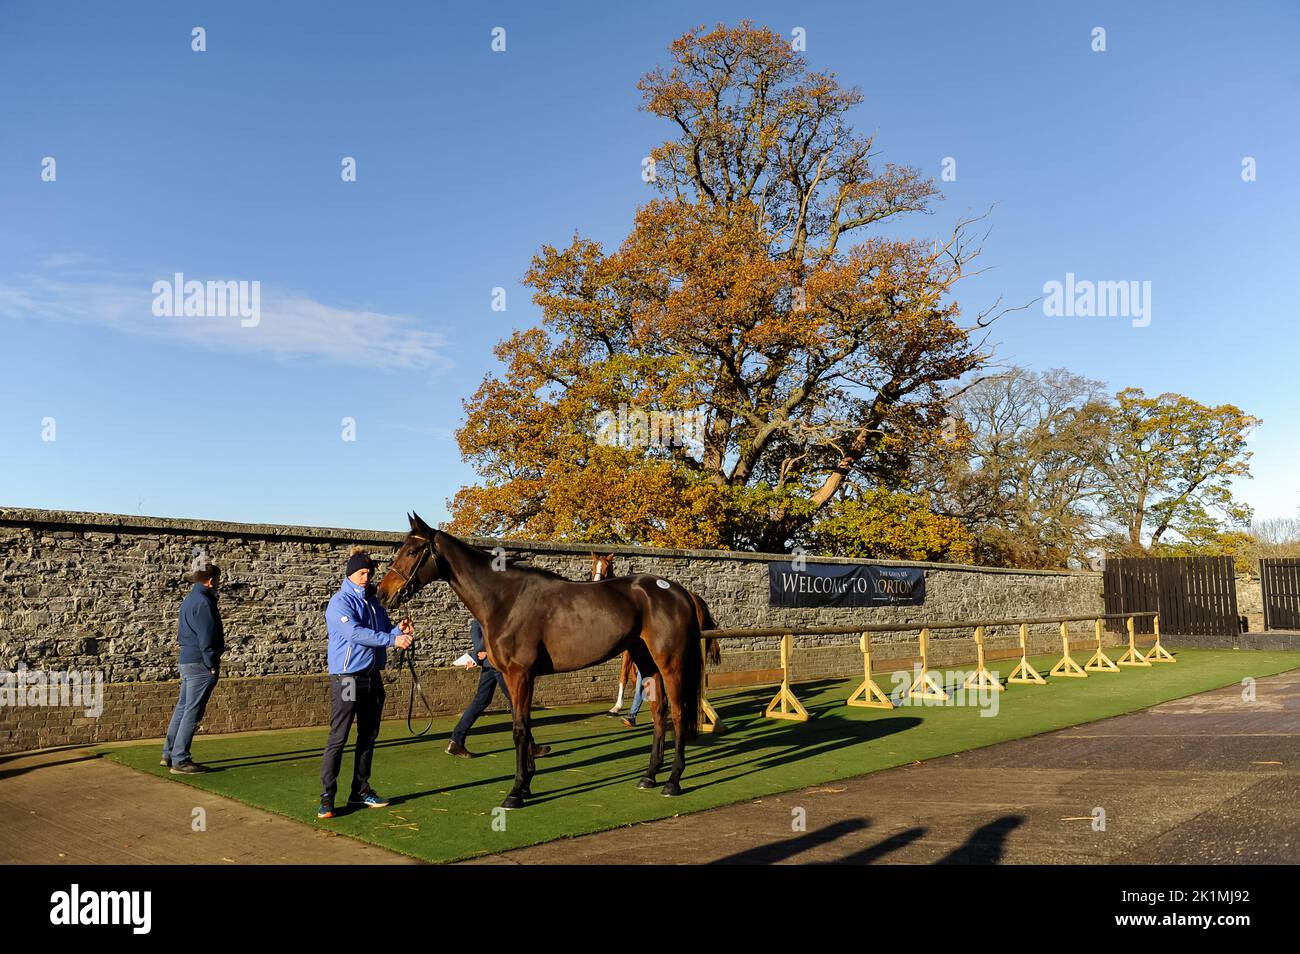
(326, 809)
(369, 800)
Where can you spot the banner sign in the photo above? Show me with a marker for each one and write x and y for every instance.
(845, 584)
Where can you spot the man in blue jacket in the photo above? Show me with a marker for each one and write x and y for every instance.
(202, 641)
(360, 633)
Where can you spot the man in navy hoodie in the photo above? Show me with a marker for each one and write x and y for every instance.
(360, 633)
(202, 641)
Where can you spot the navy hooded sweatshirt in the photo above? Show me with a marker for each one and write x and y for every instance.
(201, 635)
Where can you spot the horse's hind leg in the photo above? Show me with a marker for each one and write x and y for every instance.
(520, 682)
(645, 663)
(658, 710)
(673, 683)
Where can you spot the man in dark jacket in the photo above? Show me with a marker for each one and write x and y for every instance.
(489, 678)
(202, 641)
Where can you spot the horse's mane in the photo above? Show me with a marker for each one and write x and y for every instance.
(538, 571)
(522, 566)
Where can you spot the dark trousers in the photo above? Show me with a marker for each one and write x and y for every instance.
(488, 680)
(359, 695)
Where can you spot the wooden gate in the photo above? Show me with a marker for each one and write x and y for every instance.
(1195, 596)
(1280, 585)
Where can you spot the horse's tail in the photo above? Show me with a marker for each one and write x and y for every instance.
(712, 647)
(693, 670)
(692, 685)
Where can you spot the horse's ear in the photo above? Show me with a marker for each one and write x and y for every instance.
(418, 524)
(410, 519)
(610, 558)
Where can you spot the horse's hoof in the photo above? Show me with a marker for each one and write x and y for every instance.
(672, 788)
(646, 782)
(513, 801)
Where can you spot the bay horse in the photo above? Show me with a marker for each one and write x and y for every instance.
(602, 567)
(536, 623)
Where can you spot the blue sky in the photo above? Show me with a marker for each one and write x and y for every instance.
(1122, 165)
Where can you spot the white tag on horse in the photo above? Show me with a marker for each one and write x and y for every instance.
(663, 583)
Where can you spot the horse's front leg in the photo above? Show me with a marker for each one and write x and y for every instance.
(521, 699)
(530, 760)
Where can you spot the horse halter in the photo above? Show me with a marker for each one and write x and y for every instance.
(408, 579)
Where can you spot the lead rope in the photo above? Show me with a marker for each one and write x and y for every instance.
(406, 657)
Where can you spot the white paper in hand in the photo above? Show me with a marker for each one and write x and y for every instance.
(464, 660)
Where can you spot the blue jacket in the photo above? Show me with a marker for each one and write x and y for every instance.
(200, 633)
(360, 631)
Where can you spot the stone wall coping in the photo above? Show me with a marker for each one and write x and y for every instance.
(129, 523)
(392, 676)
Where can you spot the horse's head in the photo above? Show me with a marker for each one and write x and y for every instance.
(416, 565)
(602, 567)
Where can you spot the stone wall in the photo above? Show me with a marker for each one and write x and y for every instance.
(100, 592)
(1250, 602)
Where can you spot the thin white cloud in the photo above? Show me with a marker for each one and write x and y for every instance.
(65, 260)
(291, 325)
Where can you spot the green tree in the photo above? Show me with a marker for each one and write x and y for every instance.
(1169, 466)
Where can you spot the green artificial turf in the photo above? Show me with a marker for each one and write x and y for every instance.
(442, 807)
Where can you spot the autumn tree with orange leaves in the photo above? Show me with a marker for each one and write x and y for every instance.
(754, 304)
